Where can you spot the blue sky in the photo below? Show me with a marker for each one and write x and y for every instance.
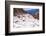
(26, 9)
(31, 11)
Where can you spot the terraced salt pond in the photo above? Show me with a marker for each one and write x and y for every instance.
(25, 21)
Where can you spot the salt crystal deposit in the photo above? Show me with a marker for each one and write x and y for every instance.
(25, 21)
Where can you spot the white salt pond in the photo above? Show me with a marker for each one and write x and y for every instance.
(28, 21)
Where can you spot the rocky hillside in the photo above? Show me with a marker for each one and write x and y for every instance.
(20, 11)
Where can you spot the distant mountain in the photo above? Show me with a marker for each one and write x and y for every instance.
(32, 11)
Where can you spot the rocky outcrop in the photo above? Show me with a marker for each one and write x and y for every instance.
(36, 16)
